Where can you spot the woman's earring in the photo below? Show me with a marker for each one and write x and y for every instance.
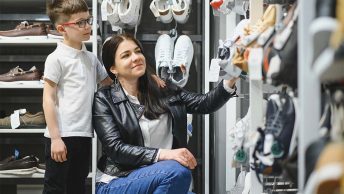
(116, 79)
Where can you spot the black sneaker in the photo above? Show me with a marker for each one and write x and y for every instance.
(6, 160)
(41, 168)
(24, 166)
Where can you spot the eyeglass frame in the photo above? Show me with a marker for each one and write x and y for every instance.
(88, 21)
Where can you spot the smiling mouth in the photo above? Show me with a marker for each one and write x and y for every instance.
(137, 66)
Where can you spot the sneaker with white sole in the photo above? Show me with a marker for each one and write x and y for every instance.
(163, 56)
(162, 10)
(182, 58)
(181, 10)
(24, 166)
(112, 14)
(129, 12)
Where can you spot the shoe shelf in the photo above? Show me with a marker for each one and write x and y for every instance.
(154, 37)
(34, 175)
(22, 131)
(22, 85)
(33, 40)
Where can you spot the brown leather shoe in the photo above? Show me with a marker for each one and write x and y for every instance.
(24, 29)
(18, 74)
(27, 120)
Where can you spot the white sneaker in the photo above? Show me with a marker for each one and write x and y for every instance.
(162, 10)
(129, 12)
(182, 58)
(163, 56)
(181, 10)
(112, 13)
(247, 186)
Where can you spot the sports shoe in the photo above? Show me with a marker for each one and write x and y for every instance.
(129, 12)
(18, 74)
(321, 30)
(112, 13)
(6, 160)
(182, 58)
(181, 10)
(247, 185)
(240, 7)
(24, 166)
(163, 56)
(162, 10)
(239, 185)
(41, 168)
(27, 120)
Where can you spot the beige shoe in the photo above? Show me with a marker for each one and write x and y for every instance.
(27, 120)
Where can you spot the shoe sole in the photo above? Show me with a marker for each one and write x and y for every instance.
(25, 171)
(40, 170)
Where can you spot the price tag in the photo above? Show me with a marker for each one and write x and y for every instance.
(15, 122)
(214, 70)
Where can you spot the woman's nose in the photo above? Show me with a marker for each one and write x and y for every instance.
(135, 56)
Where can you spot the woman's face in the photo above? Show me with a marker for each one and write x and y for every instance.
(130, 63)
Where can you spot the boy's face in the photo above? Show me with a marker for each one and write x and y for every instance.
(77, 29)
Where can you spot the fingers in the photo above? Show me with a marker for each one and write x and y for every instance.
(58, 151)
(189, 159)
(183, 161)
(161, 83)
(59, 156)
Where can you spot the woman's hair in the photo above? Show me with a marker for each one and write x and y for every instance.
(150, 94)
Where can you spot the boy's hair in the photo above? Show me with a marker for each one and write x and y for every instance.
(60, 11)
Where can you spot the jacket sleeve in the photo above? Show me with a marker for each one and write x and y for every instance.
(205, 103)
(109, 134)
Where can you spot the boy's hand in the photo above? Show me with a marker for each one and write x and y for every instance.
(58, 150)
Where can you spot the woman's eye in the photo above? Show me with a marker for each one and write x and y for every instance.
(125, 56)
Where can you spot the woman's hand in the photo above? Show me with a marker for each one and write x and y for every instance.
(181, 155)
(161, 83)
(231, 82)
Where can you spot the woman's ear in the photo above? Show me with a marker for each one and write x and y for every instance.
(113, 70)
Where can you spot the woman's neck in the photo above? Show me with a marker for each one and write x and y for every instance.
(131, 87)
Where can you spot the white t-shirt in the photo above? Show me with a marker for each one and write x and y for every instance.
(76, 73)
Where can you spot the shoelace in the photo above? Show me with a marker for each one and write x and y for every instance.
(181, 55)
(165, 57)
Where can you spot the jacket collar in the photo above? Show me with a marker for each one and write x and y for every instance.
(117, 93)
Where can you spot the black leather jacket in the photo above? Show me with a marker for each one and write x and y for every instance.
(116, 123)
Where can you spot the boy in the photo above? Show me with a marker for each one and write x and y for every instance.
(71, 75)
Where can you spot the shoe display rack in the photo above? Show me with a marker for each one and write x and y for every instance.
(26, 52)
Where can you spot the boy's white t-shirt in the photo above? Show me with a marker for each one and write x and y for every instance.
(76, 73)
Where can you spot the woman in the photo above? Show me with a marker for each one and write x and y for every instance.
(141, 123)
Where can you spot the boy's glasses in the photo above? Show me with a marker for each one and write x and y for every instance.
(81, 23)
